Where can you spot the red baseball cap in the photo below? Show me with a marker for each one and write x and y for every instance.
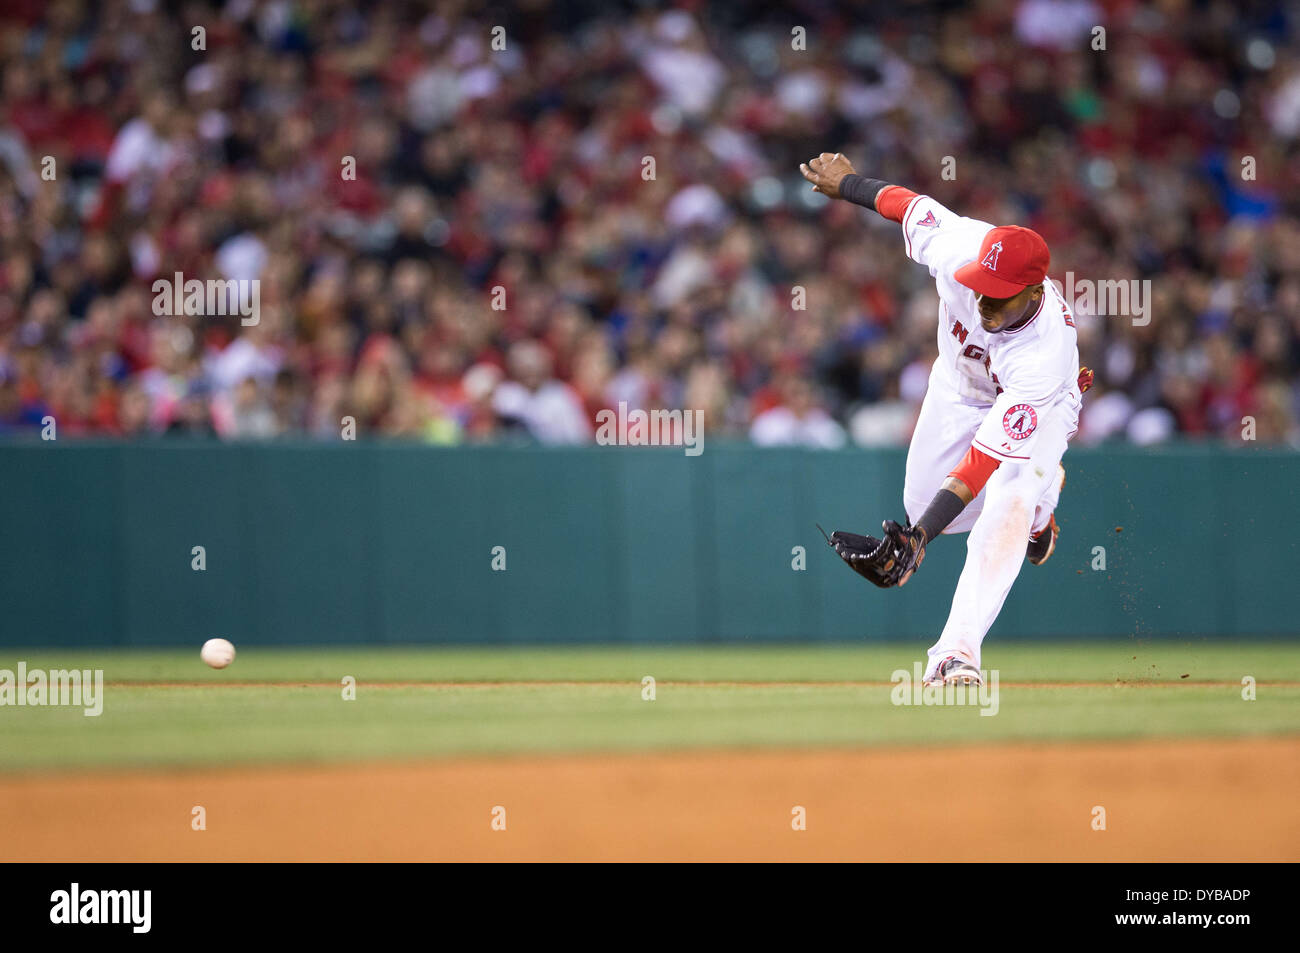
(1011, 258)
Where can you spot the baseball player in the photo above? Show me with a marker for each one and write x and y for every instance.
(1003, 400)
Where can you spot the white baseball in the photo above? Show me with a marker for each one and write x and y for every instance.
(217, 652)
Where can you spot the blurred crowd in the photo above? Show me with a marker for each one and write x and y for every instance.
(474, 227)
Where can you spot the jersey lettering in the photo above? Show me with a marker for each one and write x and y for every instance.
(959, 332)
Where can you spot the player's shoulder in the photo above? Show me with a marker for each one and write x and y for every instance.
(927, 212)
(1061, 326)
(936, 233)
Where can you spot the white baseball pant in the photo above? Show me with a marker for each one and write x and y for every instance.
(1018, 500)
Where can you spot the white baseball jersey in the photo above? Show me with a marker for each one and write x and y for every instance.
(1020, 375)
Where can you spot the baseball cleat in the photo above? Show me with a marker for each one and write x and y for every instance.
(1043, 543)
(954, 671)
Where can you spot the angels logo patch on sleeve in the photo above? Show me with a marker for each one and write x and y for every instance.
(1019, 421)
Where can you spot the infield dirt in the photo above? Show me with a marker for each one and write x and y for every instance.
(1230, 800)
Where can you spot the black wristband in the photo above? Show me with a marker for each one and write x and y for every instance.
(943, 509)
(861, 191)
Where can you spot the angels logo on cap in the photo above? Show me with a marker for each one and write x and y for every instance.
(991, 259)
(1019, 421)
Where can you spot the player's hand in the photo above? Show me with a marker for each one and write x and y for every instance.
(825, 172)
(886, 562)
(908, 544)
(865, 555)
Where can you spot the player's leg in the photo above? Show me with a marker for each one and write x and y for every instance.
(942, 436)
(1048, 502)
(995, 550)
(1042, 541)
(1043, 536)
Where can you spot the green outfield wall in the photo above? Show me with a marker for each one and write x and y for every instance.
(392, 543)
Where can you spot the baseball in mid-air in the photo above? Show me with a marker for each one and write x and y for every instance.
(217, 652)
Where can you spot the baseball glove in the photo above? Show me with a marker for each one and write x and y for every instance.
(884, 562)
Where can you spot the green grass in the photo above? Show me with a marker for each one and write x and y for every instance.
(293, 710)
